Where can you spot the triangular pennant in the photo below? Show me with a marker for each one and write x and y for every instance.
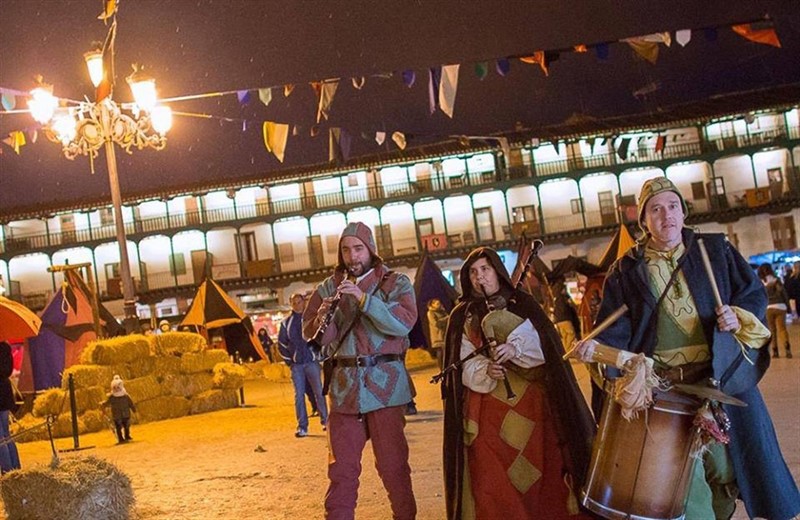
(409, 77)
(645, 49)
(243, 96)
(503, 66)
(447, 89)
(295, 130)
(399, 139)
(34, 135)
(538, 58)
(9, 101)
(109, 8)
(659, 37)
(765, 36)
(640, 141)
(313, 131)
(580, 48)
(591, 144)
(557, 147)
(482, 69)
(16, 140)
(622, 149)
(434, 79)
(601, 49)
(380, 137)
(265, 95)
(338, 145)
(358, 83)
(275, 137)
(326, 93)
(683, 37)
(287, 89)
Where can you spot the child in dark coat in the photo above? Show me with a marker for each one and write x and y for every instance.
(121, 406)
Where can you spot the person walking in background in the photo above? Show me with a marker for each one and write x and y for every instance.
(9, 456)
(777, 307)
(304, 365)
(365, 338)
(437, 326)
(121, 407)
(266, 343)
(792, 284)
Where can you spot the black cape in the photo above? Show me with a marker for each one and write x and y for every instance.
(574, 422)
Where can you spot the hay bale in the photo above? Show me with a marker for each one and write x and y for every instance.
(143, 388)
(29, 428)
(202, 361)
(50, 402)
(164, 407)
(86, 376)
(139, 367)
(229, 375)
(164, 365)
(212, 400)
(277, 372)
(94, 421)
(115, 351)
(187, 385)
(87, 488)
(178, 343)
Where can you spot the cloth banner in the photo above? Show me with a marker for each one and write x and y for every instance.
(447, 89)
(275, 136)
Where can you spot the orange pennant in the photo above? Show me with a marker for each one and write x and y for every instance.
(538, 58)
(765, 36)
(580, 48)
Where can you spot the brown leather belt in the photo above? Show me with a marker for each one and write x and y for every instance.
(365, 361)
(688, 373)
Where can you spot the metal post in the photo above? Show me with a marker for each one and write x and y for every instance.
(131, 321)
(73, 413)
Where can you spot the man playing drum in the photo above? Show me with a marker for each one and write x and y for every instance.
(673, 317)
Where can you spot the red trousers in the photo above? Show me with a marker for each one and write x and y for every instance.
(347, 436)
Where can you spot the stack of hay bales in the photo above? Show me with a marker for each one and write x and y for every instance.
(169, 375)
(88, 488)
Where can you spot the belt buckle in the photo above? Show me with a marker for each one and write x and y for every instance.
(365, 361)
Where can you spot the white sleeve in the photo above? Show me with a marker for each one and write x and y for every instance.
(526, 341)
(473, 372)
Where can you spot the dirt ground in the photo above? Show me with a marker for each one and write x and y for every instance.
(245, 463)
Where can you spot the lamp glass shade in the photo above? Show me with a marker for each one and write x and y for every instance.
(94, 62)
(42, 104)
(144, 94)
(162, 119)
(64, 126)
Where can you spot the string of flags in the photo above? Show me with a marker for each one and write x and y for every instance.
(442, 88)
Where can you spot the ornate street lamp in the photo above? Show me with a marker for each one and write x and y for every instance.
(85, 127)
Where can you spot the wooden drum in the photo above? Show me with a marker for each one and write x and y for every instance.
(641, 469)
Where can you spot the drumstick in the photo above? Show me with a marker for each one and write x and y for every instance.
(614, 316)
(709, 271)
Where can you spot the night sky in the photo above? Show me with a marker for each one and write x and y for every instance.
(199, 46)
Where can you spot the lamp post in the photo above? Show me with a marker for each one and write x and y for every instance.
(86, 127)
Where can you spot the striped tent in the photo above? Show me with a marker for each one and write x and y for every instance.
(212, 308)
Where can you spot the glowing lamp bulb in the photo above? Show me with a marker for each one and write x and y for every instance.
(42, 104)
(162, 119)
(64, 128)
(94, 62)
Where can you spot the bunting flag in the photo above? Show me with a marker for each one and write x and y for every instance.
(109, 8)
(265, 95)
(287, 89)
(591, 144)
(358, 83)
(339, 142)
(660, 142)
(243, 96)
(601, 49)
(482, 69)
(9, 101)
(275, 136)
(399, 139)
(447, 89)
(409, 77)
(434, 81)
(557, 146)
(380, 137)
(683, 37)
(15, 140)
(622, 150)
(764, 35)
(538, 58)
(580, 48)
(647, 46)
(326, 92)
(502, 66)
(313, 131)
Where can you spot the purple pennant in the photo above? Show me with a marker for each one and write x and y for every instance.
(710, 33)
(244, 96)
(409, 77)
(602, 51)
(502, 66)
